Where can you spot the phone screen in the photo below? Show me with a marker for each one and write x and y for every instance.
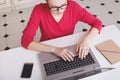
(27, 70)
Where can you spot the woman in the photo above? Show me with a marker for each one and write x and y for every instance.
(57, 18)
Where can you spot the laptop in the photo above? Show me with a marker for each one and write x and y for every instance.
(54, 68)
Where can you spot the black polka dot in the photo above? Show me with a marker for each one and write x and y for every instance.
(87, 7)
(118, 22)
(84, 30)
(110, 12)
(4, 15)
(116, 1)
(95, 15)
(103, 25)
(6, 35)
(102, 4)
(5, 24)
(7, 48)
(20, 12)
(22, 21)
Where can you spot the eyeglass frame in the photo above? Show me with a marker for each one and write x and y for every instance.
(58, 7)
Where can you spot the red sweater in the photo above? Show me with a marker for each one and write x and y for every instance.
(42, 18)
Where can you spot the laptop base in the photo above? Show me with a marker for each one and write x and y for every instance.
(77, 77)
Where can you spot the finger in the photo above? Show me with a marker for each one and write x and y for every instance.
(66, 57)
(80, 52)
(70, 53)
(77, 49)
(63, 58)
(86, 52)
(69, 56)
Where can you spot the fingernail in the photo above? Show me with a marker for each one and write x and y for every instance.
(64, 60)
(68, 60)
(72, 59)
(84, 56)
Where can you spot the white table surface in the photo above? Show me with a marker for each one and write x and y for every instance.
(11, 61)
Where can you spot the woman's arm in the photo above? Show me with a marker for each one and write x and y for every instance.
(60, 52)
(96, 25)
(82, 47)
(37, 46)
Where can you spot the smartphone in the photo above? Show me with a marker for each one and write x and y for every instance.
(27, 70)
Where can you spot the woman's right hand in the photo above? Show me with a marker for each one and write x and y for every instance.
(65, 54)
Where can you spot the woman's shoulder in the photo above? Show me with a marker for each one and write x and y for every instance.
(40, 6)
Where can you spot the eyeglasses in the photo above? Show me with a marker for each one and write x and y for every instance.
(56, 8)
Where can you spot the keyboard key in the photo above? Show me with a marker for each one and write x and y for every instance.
(61, 65)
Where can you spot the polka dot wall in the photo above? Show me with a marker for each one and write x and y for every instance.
(13, 23)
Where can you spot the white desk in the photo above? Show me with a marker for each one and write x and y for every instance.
(11, 61)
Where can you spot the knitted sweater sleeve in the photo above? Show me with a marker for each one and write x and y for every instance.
(30, 30)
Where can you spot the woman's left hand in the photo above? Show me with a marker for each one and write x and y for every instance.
(82, 48)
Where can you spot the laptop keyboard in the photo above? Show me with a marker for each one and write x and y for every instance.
(61, 65)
